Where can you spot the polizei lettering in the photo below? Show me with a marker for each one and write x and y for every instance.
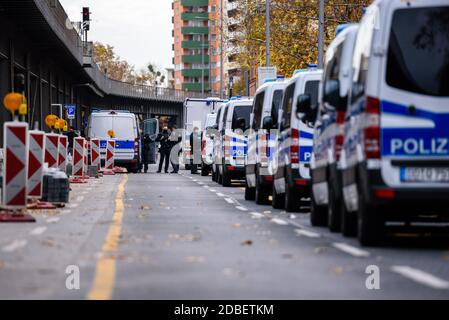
(413, 146)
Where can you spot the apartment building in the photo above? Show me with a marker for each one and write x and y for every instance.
(197, 36)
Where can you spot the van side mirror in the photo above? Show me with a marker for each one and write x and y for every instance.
(303, 107)
(241, 123)
(268, 123)
(331, 95)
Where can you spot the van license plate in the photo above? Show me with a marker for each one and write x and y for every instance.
(425, 174)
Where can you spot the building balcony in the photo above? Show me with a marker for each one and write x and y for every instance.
(195, 3)
(197, 58)
(195, 86)
(195, 30)
(195, 16)
(197, 73)
(194, 44)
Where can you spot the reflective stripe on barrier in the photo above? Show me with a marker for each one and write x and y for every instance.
(51, 149)
(35, 163)
(95, 152)
(110, 149)
(62, 154)
(78, 157)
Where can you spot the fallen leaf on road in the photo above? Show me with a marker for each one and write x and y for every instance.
(2, 264)
(247, 243)
(320, 249)
(287, 256)
(50, 243)
(338, 270)
(236, 225)
(145, 208)
(195, 259)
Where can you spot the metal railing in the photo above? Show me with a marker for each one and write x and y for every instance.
(57, 18)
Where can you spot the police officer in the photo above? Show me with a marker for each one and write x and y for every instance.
(164, 149)
(195, 145)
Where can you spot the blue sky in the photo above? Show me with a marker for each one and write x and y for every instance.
(139, 30)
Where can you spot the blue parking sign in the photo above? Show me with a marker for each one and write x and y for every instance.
(71, 111)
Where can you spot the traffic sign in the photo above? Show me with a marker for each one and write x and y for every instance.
(266, 73)
(71, 111)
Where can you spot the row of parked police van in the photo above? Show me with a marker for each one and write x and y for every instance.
(365, 140)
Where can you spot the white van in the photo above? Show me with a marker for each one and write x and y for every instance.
(233, 140)
(329, 131)
(292, 175)
(264, 118)
(125, 126)
(207, 144)
(395, 156)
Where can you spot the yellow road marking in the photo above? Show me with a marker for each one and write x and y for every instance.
(104, 280)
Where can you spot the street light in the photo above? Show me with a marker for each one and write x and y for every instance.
(321, 36)
(267, 29)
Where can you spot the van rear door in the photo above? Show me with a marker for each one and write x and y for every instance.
(414, 95)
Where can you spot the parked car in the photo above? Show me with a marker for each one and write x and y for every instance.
(233, 140)
(396, 149)
(127, 138)
(329, 132)
(292, 177)
(264, 119)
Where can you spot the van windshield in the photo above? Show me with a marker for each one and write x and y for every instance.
(418, 54)
(122, 126)
(241, 112)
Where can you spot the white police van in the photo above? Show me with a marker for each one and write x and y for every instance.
(207, 144)
(234, 140)
(127, 139)
(329, 128)
(217, 151)
(395, 156)
(292, 175)
(261, 140)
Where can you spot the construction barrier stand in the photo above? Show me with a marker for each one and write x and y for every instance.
(35, 163)
(51, 149)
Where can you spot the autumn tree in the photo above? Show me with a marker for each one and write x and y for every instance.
(294, 31)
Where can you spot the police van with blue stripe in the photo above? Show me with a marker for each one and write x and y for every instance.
(395, 156)
(233, 145)
(292, 172)
(127, 149)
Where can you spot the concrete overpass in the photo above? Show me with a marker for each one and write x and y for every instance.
(37, 40)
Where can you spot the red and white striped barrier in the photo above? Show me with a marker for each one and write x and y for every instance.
(35, 163)
(15, 172)
(51, 149)
(78, 160)
(62, 153)
(86, 159)
(109, 162)
(95, 152)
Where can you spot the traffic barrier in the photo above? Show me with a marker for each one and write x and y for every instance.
(86, 160)
(109, 162)
(35, 163)
(15, 172)
(95, 152)
(78, 161)
(51, 149)
(62, 157)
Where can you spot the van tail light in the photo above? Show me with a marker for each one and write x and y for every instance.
(372, 128)
(203, 147)
(136, 146)
(385, 194)
(339, 138)
(227, 146)
(294, 147)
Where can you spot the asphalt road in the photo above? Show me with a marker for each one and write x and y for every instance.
(156, 236)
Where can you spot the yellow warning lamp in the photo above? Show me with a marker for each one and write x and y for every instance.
(13, 102)
(111, 134)
(50, 120)
(66, 126)
(60, 124)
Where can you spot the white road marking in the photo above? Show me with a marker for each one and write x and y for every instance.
(421, 277)
(66, 211)
(256, 215)
(279, 221)
(53, 220)
(200, 183)
(13, 246)
(220, 194)
(241, 208)
(307, 233)
(354, 251)
(72, 205)
(38, 231)
(213, 190)
(206, 187)
(79, 198)
(229, 200)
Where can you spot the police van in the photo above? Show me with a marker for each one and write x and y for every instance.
(215, 133)
(261, 140)
(395, 156)
(292, 175)
(207, 144)
(127, 139)
(233, 144)
(329, 128)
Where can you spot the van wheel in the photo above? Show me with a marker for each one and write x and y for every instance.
(204, 171)
(250, 193)
(292, 199)
(226, 180)
(187, 166)
(370, 223)
(278, 200)
(214, 176)
(348, 221)
(261, 192)
(318, 214)
(219, 178)
(333, 210)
